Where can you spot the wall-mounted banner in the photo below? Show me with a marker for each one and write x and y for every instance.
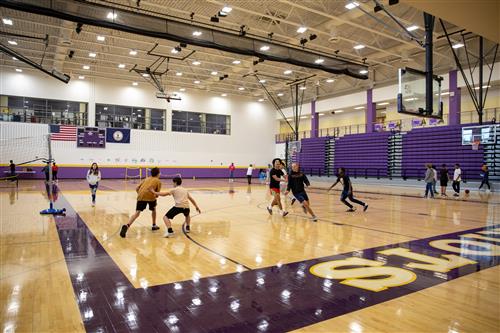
(91, 137)
(118, 135)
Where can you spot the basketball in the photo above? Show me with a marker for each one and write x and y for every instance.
(467, 191)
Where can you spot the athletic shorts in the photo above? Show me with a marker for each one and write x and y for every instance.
(301, 197)
(275, 190)
(344, 195)
(96, 185)
(141, 205)
(174, 211)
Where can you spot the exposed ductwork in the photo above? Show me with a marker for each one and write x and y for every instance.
(176, 30)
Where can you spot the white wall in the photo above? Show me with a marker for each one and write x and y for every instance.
(253, 124)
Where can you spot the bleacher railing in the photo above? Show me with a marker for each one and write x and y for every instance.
(405, 125)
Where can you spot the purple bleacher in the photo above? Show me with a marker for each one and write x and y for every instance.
(312, 154)
(440, 145)
(363, 154)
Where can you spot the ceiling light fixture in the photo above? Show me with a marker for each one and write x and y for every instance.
(19, 70)
(261, 100)
(330, 80)
(197, 33)
(182, 89)
(319, 61)
(359, 107)
(223, 95)
(133, 52)
(383, 103)
(196, 82)
(352, 5)
(145, 75)
(288, 71)
(412, 28)
(236, 62)
(262, 81)
(359, 47)
(264, 48)
(214, 73)
(81, 77)
(303, 88)
(135, 83)
(92, 55)
(14, 58)
(112, 15)
(121, 66)
(363, 71)
(458, 45)
(301, 30)
(227, 9)
(178, 74)
(7, 21)
(280, 94)
(101, 38)
(339, 111)
(174, 51)
(241, 88)
(12, 42)
(196, 63)
(86, 67)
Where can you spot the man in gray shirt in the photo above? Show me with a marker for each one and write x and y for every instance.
(429, 179)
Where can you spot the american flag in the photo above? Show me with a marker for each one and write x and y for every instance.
(63, 133)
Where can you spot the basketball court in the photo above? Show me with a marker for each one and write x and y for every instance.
(135, 86)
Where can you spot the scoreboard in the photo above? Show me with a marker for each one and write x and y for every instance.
(91, 137)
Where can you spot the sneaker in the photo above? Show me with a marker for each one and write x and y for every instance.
(314, 219)
(187, 229)
(123, 231)
(168, 234)
(455, 194)
(270, 210)
(293, 201)
(351, 210)
(155, 227)
(285, 213)
(93, 203)
(365, 207)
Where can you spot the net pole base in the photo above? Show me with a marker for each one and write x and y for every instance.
(53, 211)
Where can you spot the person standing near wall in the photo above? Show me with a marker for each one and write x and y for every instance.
(485, 174)
(55, 168)
(231, 172)
(443, 179)
(457, 178)
(435, 174)
(93, 178)
(429, 180)
(46, 171)
(12, 168)
(249, 174)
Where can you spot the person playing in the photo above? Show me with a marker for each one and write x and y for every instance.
(12, 168)
(46, 171)
(457, 178)
(443, 179)
(249, 174)
(55, 168)
(231, 172)
(296, 182)
(262, 176)
(145, 198)
(181, 198)
(93, 178)
(347, 191)
(274, 186)
(429, 179)
(486, 177)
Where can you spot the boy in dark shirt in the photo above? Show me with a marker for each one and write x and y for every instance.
(12, 167)
(296, 182)
(347, 191)
(274, 186)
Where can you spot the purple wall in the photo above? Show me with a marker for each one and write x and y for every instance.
(314, 120)
(454, 100)
(67, 172)
(371, 111)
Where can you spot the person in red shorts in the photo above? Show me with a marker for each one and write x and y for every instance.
(275, 176)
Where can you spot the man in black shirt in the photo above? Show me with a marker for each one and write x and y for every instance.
(12, 167)
(296, 182)
(274, 186)
(347, 191)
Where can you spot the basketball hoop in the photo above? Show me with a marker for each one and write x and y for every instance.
(475, 144)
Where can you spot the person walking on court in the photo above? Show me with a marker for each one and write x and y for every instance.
(231, 172)
(46, 171)
(12, 168)
(457, 178)
(443, 179)
(429, 180)
(347, 191)
(182, 199)
(93, 178)
(296, 182)
(485, 174)
(55, 168)
(145, 198)
(249, 174)
(434, 183)
(275, 176)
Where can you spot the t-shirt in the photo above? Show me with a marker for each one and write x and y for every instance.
(443, 174)
(12, 167)
(346, 182)
(232, 167)
(143, 190)
(296, 181)
(93, 178)
(249, 171)
(181, 197)
(55, 168)
(457, 175)
(273, 183)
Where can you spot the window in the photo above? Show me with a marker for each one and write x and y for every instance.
(195, 122)
(129, 117)
(40, 110)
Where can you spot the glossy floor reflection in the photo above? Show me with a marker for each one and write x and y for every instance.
(242, 270)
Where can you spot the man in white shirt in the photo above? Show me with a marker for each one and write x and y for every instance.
(249, 174)
(457, 178)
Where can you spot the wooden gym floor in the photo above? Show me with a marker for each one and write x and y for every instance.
(407, 264)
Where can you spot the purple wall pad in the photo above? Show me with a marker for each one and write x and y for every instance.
(371, 111)
(271, 299)
(314, 120)
(454, 99)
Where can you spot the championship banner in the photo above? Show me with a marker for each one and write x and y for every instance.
(118, 135)
(91, 137)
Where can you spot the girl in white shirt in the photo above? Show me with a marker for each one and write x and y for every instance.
(93, 178)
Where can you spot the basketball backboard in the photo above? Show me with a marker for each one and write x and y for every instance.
(485, 134)
(412, 95)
